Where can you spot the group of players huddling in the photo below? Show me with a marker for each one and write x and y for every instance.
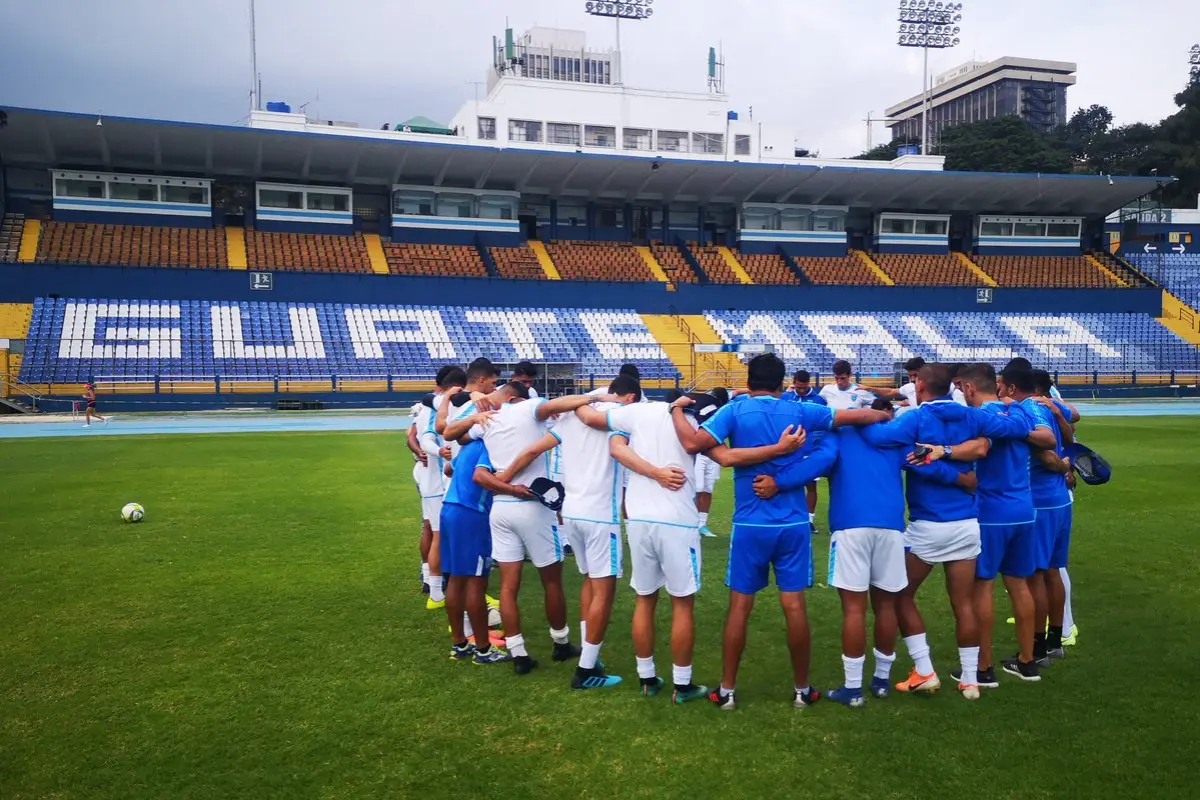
(980, 459)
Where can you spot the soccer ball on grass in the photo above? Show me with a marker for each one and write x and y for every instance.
(133, 512)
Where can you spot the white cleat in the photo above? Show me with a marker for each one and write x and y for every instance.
(970, 691)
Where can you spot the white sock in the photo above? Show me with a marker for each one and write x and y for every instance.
(424, 572)
(468, 631)
(1068, 617)
(645, 667)
(561, 637)
(918, 650)
(725, 692)
(589, 656)
(703, 518)
(883, 664)
(516, 645)
(437, 592)
(854, 670)
(681, 676)
(583, 630)
(968, 657)
(812, 517)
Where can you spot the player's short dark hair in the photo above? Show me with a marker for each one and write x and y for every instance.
(525, 368)
(626, 384)
(631, 370)
(914, 364)
(1020, 379)
(981, 376)
(517, 389)
(765, 373)
(801, 376)
(881, 404)
(1017, 363)
(936, 378)
(954, 368)
(1042, 381)
(453, 375)
(443, 372)
(481, 368)
(842, 367)
(721, 393)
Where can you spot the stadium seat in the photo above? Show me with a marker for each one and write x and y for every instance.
(912, 269)
(445, 260)
(1178, 273)
(10, 236)
(131, 245)
(517, 262)
(307, 252)
(767, 268)
(1052, 272)
(599, 261)
(713, 263)
(671, 259)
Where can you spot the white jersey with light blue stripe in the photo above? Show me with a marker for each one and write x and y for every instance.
(651, 434)
(593, 481)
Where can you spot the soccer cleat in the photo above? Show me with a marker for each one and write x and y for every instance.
(651, 686)
(816, 531)
(594, 678)
(493, 655)
(725, 702)
(852, 698)
(1055, 653)
(568, 551)
(1026, 671)
(1011, 620)
(564, 651)
(806, 698)
(523, 665)
(880, 688)
(497, 638)
(970, 691)
(984, 678)
(491, 601)
(916, 683)
(693, 691)
(434, 605)
(704, 531)
(425, 588)
(462, 652)
(1069, 641)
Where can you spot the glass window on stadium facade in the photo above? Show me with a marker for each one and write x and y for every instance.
(1062, 229)
(741, 144)
(323, 201)
(144, 193)
(562, 133)
(673, 141)
(94, 190)
(931, 227)
(829, 221)
(1029, 229)
(637, 139)
(995, 229)
(450, 204)
(279, 198)
(497, 206)
(895, 225)
(413, 203)
(710, 143)
(522, 130)
(600, 136)
(610, 216)
(487, 127)
(761, 218)
(195, 195)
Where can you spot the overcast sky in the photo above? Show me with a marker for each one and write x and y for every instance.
(817, 66)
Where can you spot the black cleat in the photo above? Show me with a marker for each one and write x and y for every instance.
(1055, 653)
(523, 665)
(564, 652)
(1026, 671)
(424, 588)
(985, 678)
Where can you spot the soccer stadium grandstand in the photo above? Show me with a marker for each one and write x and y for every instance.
(311, 258)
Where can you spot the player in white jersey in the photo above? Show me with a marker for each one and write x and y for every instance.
(524, 527)
(418, 475)
(708, 472)
(433, 478)
(593, 484)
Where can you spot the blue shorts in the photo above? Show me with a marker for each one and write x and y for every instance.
(466, 541)
(1052, 531)
(753, 550)
(1006, 550)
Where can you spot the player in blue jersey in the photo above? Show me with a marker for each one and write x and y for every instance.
(1048, 472)
(1006, 519)
(801, 391)
(866, 553)
(944, 525)
(767, 534)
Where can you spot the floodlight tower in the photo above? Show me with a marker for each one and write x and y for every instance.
(1194, 60)
(630, 9)
(928, 24)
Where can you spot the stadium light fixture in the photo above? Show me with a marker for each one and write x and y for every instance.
(1194, 60)
(630, 9)
(928, 24)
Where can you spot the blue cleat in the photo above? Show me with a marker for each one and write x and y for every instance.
(880, 688)
(704, 531)
(464, 652)
(852, 698)
(594, 678)
(651, 686)
(493, 655)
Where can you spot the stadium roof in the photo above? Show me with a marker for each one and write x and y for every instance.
(61, 140)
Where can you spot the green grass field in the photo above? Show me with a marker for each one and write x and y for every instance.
(262, 635)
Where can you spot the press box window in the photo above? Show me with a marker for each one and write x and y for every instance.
(140, 192)
(193, 195)
(413, 203)
(275, 198)
(78, 188)
(318, 201)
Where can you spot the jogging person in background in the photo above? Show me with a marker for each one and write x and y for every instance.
(89, 396)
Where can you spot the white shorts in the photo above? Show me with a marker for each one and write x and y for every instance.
(664, 555)
(525, 528)
(597, 546)
(431, 510)
(860, 558)
(939, 542)
(707, 472)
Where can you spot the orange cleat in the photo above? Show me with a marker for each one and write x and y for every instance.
(916, 683)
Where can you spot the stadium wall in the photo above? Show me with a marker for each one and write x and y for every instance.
(23, 283)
